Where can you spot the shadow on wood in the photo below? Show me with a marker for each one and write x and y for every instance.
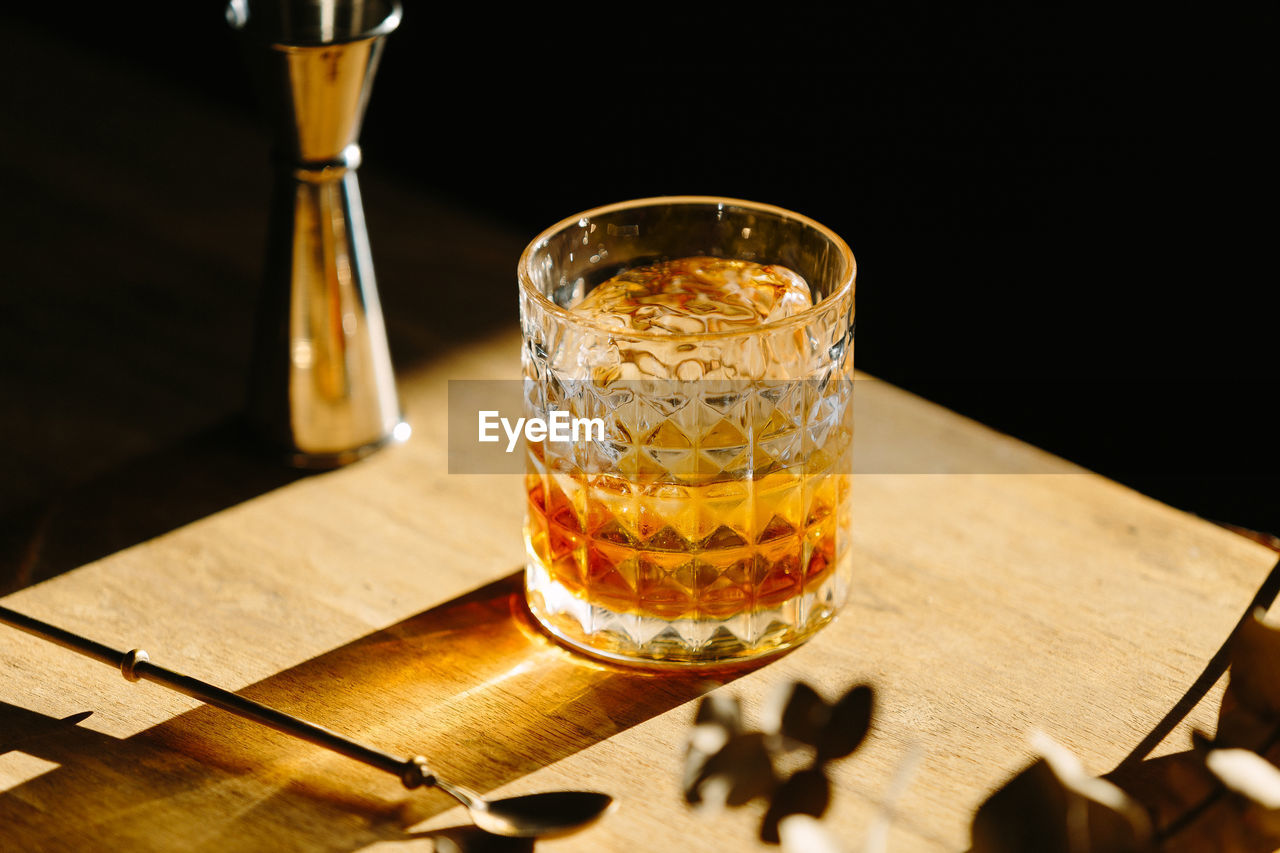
(132, 266)
(471, 684)
(150, 495)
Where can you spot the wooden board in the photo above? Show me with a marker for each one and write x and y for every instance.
(998, 590)
(382, 600)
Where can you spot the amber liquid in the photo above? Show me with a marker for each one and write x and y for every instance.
(670, 551)
(712, 520)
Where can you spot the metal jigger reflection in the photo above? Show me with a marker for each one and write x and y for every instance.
(322, 384)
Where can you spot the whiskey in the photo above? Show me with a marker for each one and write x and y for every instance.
(718, 504)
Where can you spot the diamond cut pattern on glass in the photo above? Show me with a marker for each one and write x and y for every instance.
(714, 512)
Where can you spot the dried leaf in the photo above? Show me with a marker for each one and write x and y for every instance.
(1168, 787)
(1245, 818)
(847, 725)
(718, 718)
(1255, 666)
(796, 711)
(704, 741)
(1248, 774)
(804, 834)
(1251, 705)
(708, 738)
(1054, 806)
(807, 792)
(720, 709)
(738, 772)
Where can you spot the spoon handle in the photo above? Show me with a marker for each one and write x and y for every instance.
(135, 665)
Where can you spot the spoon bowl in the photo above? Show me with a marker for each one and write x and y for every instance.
(532, 815)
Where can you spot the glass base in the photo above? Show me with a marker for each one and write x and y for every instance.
(653, 641)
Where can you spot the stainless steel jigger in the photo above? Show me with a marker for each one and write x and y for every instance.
(322, 384)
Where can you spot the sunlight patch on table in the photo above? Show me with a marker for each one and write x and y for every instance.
(19, 767)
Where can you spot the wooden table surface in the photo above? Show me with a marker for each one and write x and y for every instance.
(382, 600)
(997, 590)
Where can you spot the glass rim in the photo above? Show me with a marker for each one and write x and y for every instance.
(844, 288)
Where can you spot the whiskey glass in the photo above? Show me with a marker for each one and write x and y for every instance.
(712, 523)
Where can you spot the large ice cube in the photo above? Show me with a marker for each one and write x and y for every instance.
(696, 296)
(716, 297)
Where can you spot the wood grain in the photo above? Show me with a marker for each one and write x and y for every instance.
(383, 600)
(998, 589)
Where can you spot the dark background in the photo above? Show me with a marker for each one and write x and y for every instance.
(1065, 226)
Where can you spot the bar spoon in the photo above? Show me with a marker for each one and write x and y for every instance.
(528, 816)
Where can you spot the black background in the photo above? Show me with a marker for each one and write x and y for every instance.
(1064, 224)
